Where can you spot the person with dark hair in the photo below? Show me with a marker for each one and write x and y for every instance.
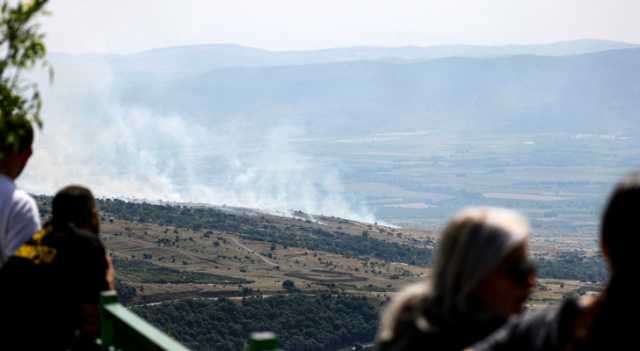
(604, 322)
(50, 287)
(607, 323)
(19, 216)
(481, 276)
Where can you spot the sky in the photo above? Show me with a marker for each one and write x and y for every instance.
(125, 26)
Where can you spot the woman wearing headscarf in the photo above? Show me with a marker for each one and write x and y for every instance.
(481, 276)
(591, 323)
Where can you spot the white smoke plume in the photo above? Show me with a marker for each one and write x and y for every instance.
(129, 151)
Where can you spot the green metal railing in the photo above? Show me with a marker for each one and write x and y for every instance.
(123, 330)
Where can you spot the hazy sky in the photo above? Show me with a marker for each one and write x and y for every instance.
(120, 26)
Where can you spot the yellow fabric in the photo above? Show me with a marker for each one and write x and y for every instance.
(35, 251)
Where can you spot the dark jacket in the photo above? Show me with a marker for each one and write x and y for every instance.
(421, 334)
(43, 285)
(550, 329)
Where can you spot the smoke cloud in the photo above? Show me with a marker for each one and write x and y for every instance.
(131, 151)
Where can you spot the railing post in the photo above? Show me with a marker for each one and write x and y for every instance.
(121, 329)
(106, 324)
(262, 341)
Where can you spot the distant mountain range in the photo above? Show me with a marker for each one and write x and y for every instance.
(577, 86)
(200, 58)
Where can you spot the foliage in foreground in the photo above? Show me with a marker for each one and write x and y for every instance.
(21, 48)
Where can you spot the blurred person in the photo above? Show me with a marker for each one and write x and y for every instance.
(602, 322)
(608, 323)
(19, 216)
(50, 287)
(481, 276)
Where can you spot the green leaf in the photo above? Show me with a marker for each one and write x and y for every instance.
(23, 48)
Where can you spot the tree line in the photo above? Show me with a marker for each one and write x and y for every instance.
(301, 322)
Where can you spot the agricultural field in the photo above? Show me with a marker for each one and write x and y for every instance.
(160, 262)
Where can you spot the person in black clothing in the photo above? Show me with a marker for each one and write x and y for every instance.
(49, 289)
(481, 276)
(606, 322)
(609, 323)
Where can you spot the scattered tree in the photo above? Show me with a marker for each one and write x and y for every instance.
(288, 285)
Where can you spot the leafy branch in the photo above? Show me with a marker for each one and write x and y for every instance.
(22, 47)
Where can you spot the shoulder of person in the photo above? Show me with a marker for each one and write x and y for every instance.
(588, 306)
(86, 237)
(23, 201)
(551, 328)
(405, 304)
(75, 241)
(400, 317)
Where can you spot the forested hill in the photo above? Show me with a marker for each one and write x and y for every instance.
(328, 234)
(302, 323)
(371, 241)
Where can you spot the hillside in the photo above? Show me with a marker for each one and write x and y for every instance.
(177, 251)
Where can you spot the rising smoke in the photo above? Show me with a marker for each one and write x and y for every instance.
(131, 151)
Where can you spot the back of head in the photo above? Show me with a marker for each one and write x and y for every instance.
(611, 328)
(16, 135)
(75, 205)
(473, 244)
(621, 224)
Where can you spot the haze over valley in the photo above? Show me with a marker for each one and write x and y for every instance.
(401, 135)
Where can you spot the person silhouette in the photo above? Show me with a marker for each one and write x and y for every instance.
(51, 285)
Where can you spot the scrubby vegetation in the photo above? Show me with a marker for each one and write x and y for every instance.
(342, 243)
(125, 291)
(260, 228)
(573, 265)
(146, 272)
(302, 322)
